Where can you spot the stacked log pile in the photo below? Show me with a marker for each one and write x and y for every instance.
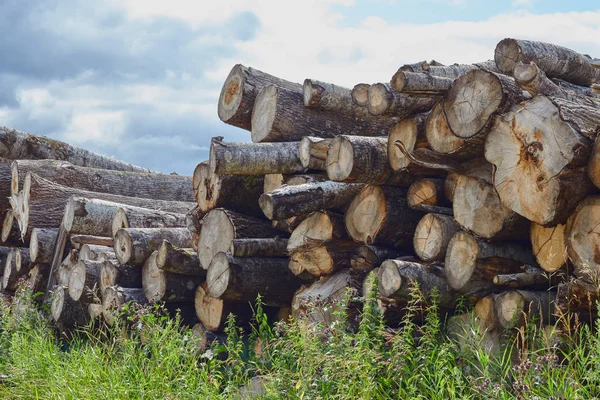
(468, 181)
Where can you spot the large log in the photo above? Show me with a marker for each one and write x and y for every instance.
(279, 115)
(383, 101)
(166, 286)
(239, 92)
(450, 71)
(235, 192)
(42, 244)
(326, 259)
(213, 312)
(549, 246)
(7, 190)
(316, 229)
(582, 241)
(301, 200)
(254, 158)
(520, 307)
(471, 265)
(16, 145)
(420, 83)
(432, 235)
(313, 152)
(10, 274)
(66, 312)
(411, 133)
(475, 98)
(171, 258)
(134, 245)
(380, 215)
(138, 217)
(555, 61)
(541, 168)
(220, 227)
(125, 183)
(241, 279)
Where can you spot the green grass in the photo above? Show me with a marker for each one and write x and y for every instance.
(149, 356)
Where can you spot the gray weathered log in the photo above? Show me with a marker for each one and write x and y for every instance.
(166, 286)
(275, 247)
(66, 312)
(420, 83)
(135, 245)
(171, 258)
(138, 217)
(383, 101)
(42, 244)
(411, 133)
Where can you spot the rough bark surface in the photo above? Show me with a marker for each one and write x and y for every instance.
(160, 285)
(275, 247)
(420, 83)
(138, 217)
(42, 244)
(383, 101)
(135, 245)
(171, 258)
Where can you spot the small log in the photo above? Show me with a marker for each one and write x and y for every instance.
(426, 192)
(42, 244)
(272, 182)
(275, 247)
(411, 133)
(555, 61)
(95, 252)
(10, 275)
(316, 229)
(396, 278)
(23, 262)
(16, 145)
(301, 200)
(83, 281)
(66, 312)
(279, 115)
(254, 158)
(220, 227)
(360, 94)
(113, 297)
(134, 245)
(420, 83)
(242, 279)
(368, 258)
(171, 258)
(549, 246)
(594, 164)
(380, 215)
(78, 241)
(486, 315)
(239, 92)
(519, 307)
(235, 192)
(313, 152)
(460, 330)
(11, 234)
(457, 70)
(582, 240)
(577, 297)
(432, 236)
(160, 285)
(112, 274)
(471, 265)
(383, 101)
(137, 217)
(63, 271)
(441, 138)
(38, 278)
(530, 277)
(475, 98)
(213, 312)
(313, 262)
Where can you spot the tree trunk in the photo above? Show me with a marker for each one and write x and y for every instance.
(259, 247)
(242, 279)
(432, 235)
(411, 133)
(426, 192)
(83, 280)
(418, 83)
(66, 312)
(124, 183)
(520, 307)
(279, 115)
(16, 145)
(383, 101)
(113, 297)
(63, 271)
(171, 258)
(555, 61)
(314, 262)
(220, 227)
(360, 94)
(134, 245)
(368, 258)
(235, 192)
(541, 168)
(213, 312)
(77, 241)
(316, 229)
(165, 286)
(313, 152)
(125, 275)
(239, 94)
(380, 215)
(254, 158)
(475, 98)
(42, 244)
(301, 200)
(530, 277)
(398, 279)
(471, 265)
(582, 240)
(549, 246)
(137, 217)
(23, 262)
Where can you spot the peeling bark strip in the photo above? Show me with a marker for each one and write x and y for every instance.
(411, 133)
(166, 286)
(16, 145)
(235, 192)
(420, 83)
(239, 92)
(254, 158)
(134, 245)
(555, 61)
(241, 279)
(279, 115)
(124, 183)
(541, 168)
(549, 246)
(383, 101)
(432, 236)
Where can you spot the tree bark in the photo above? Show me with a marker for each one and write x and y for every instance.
(134, 245)
(316, 229)
(594, 164)
(519, 307)
(426, 192)
(171, 258)
(383, 101)
(83, 280)
(419, 83)
(313, 153)
(549, 246)
(432, 235)
(111, 274)
(259, 247)
(124, 183)
(360, 94)
(63, 271)
(113, 297)
(471, 265)
(582, 240)
(16, 145)
(220, 227)
(254, 158)
(160, 285)
(235, 192)
(66, 312)
(577, 297)
(239, 92)
(368, 258)
(456, 70)
(411, 133)
(380, 215)
(10, 274)
(77, 241)
(530, 277)
(475, 98)
(555, 61)
(138, 217)
(242, 279)
(279, 115)
(301, 200)
(541, 168)
(213, 312)
(95, 252)
(7, 190)
(326, 259)
(42, 244)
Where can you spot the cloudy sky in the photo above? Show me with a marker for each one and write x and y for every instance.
(139, 79)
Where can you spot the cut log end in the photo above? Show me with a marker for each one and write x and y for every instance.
(432, 236)
(209, 185)
(218, 276)
(424, 191)
(360, 94)
(123, 246)
(461, 259)
(77, 280)
(549, 246)
(8, 266)
(209, 309)
(231, 94)
(507, 55)
(316, 261)
(153, 279)
(33, 246)
(108, 276)
(263, 114)
(7, 225)
(525, 73)
(366, 214)
(312, 93)
(119, 221)
(217, 235)
(406, 132)
(340, 159)
(390, 280)
(379, 99)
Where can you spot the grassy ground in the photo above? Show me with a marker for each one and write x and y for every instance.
(151, 357)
